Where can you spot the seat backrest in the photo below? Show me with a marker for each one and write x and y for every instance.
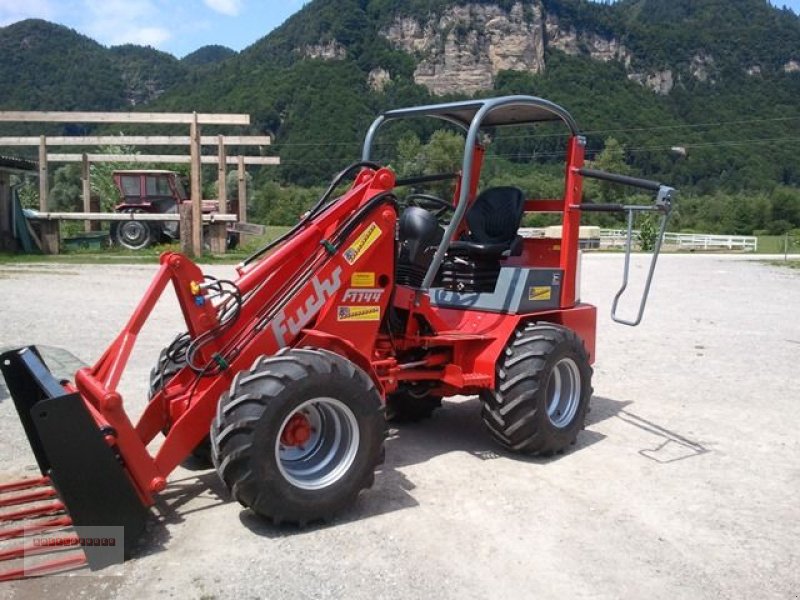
(495, 216)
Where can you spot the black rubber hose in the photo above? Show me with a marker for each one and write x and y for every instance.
(314, 210)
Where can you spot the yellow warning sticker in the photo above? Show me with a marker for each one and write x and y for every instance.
(362, 279)
(358, 313)
(362, 243)
(540, 292)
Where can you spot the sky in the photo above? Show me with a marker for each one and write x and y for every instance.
(175, 26)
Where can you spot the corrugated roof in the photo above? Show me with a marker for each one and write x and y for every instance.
(12, 163)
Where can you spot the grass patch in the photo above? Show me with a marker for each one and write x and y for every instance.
(776, 244)
(116, 255)
(788, 264)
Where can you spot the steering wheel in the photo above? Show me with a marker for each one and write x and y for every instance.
(431, 203)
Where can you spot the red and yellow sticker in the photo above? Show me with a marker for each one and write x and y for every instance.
(362, 243)
(358, 313)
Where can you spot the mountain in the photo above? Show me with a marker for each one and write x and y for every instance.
(718, 78)
(48, 66)
(208, 55)
(146, 73)
(648, 72)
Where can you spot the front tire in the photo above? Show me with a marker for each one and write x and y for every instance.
(542, 391)
(133, 235)
(165, 369)
(299, 435)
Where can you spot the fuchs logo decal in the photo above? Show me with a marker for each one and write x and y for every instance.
(322, 292)
(363, 295)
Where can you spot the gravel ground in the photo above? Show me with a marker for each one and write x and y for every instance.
(685, 483)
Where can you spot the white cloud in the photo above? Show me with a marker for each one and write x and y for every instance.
(115, 22)
(226, 7)
(15, 10)
(144, 36)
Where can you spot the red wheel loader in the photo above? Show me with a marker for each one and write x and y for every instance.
(285, 375)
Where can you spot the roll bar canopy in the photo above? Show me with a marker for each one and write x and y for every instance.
(495, 112)
(472, 116)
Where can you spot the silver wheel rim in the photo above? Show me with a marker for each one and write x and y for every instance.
(563, 392)
(134, 234)
(328, 451)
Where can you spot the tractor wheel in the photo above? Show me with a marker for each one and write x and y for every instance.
(543, 386)
(133, 235)
(163, 371)
(160, 374)
(299, 435)
(409, 406)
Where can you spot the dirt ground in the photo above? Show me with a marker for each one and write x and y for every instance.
(685, 483)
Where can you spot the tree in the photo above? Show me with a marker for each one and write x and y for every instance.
(66, 191)
(648, 231)
(101, 180)
(612, 160)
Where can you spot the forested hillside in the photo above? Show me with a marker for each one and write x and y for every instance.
(700, 93)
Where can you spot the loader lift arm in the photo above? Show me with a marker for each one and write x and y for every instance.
(281, 296)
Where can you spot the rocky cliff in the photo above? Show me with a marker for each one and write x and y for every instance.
(462, 49)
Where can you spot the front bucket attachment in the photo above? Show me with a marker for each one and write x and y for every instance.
(87, 474)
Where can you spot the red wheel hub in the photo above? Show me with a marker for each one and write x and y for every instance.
(297, 431)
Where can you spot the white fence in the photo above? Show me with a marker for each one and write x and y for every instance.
(615, 238)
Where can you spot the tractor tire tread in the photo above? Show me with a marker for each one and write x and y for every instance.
(515, 412)
(255, 396)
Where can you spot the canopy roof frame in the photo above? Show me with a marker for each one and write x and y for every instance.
(473, 116)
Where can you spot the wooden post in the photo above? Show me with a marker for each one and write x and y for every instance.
(196, 190)
(217, 231)
(6, 235)
(185, 212)
(42, 173)
(87, 191)
(51, 236)
(222, 184)
(241, 208)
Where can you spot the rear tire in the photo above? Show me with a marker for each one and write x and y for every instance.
(299, 435)
(133, 235)
(542, 391)
(407, 406)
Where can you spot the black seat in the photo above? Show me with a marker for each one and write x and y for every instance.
(472, 264)
(493, 222)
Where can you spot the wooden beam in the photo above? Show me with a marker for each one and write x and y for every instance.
(185, 215)
(6, 210)
(136, 140)
(162, 158)
(196, 188)
(28, 116)
(50, 237)
(87, 203)
(241, 208)
(222, 183)
(42, 173)
(101, 216)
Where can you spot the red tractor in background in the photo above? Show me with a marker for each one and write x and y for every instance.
(153, 191)
(375, 303)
